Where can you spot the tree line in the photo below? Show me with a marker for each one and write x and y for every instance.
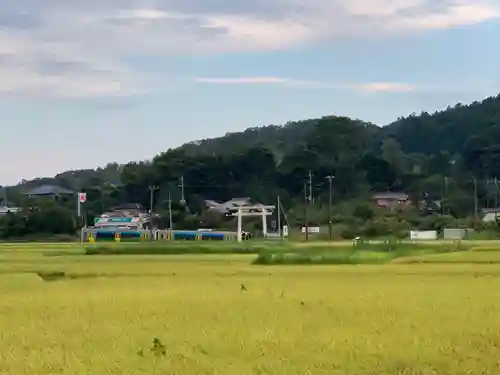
(446, 162)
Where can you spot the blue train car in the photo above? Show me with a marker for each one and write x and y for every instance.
(109, 234)
(213, 236)
(194, 235)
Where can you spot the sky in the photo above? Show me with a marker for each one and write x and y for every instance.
(84, 83)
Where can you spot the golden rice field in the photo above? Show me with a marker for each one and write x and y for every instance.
(441, 318)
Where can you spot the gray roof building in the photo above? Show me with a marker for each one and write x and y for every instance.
(49, 190)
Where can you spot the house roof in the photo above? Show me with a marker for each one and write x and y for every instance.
(391, 196)
(50, 190)
(212, 203)
(229, 205)
(238, 201)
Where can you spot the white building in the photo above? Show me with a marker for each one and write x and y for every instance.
(491, 214)
(5, 210)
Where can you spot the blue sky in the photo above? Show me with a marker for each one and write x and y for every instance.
(86, 83)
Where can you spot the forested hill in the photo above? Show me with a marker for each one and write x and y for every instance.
(463, 134)
(448, 130)
(279, 138)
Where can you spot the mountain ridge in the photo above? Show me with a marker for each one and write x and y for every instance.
(444, 130)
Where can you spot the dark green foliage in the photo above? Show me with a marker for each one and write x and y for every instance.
(446, 130)
(52, 276)
(360, 253)
(46, 218)
(431, 157)
(173, 248)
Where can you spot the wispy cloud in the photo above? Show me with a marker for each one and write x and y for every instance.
(378, 87)
(255, 81)
(81, 48)
(371, 87)
(457, 14)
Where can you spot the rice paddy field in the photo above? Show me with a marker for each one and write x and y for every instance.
(63, 312)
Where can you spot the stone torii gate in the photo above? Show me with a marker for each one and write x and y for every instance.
(245, 211)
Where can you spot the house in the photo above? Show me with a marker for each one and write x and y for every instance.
(391, 200)
(49, 191)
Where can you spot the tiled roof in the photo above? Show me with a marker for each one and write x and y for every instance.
(50, 190)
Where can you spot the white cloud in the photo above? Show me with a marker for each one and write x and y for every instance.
(81, 48)
(379, 8)
(58, 69)
(455, 15)
(144, 14)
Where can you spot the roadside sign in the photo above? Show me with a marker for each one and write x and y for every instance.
(82, 197)
(285, 230)
(310, 229)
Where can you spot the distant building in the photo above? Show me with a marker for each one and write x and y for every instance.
(429, 205)
(130, 216)
(391, 200)
(49, 191)
(5, 210)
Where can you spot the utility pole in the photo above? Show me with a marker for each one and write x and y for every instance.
(152, 189)
(487, 182)
(310, 188)
(495, 181)
(5, 203)
(181, 185)
(279, 217)
(170, 224)
(330, 179)
(445, 203)
(476, 214)
(306, 224)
